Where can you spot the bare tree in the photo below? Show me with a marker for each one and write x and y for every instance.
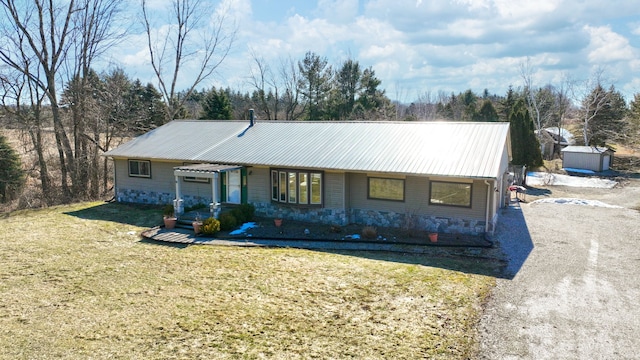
(47, 42)
(594, 98)
(533, 102)
(290, 75)
(187, 40)
(264, 82)
(24, 101)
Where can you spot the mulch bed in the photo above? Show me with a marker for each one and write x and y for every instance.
(298, 230)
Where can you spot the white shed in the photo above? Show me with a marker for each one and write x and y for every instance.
(587, 158)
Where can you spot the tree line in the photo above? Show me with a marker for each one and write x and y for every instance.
(70, 114)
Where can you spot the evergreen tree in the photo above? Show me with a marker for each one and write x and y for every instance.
(11, 173)
(633, 119)
(524, 143)
(487, 112)
(346, 88)
(315, 83)
(216, 106)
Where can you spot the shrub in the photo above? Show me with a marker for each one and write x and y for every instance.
(210, 226)
(239, 215)
(244, 213)
(227, 221)
(168, 211)
(369, 232)
(249, 211)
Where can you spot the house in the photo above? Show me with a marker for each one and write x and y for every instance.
(587, 158)
(553, 140)
(449, 176)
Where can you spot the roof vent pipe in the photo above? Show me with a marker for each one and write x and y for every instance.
(251, 118)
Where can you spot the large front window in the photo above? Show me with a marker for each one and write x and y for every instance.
(450, 193)
(386, 189)
(296, 187)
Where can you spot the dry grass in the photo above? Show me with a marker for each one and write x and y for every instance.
(77, 282)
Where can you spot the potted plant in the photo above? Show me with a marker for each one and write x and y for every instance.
(169, 217)
(433, 234)
(197, 224)
(277, 221)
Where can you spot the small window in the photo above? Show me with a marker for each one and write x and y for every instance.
(303, 188)
(316, 188)
(293, 193)
(140, 168)
(194, 178)
(449, 193)
(274, 185)
(283, 186)
(386, 189)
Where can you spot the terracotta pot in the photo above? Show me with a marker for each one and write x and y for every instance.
(277, 222)
(433, 237)
(170, 222)
(197, 227)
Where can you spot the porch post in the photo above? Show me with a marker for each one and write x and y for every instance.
(214, 207)
(178, 203)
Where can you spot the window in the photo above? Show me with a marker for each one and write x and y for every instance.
(296, 187)
(449, 193)
(193, 178)
(386, 189)
(140, 168)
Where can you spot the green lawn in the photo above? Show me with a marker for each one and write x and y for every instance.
(77, 282)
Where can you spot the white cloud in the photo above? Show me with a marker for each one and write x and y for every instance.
(607, 46)
(338, 11)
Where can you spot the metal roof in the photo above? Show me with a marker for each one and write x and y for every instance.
(586, 149)
(461, 149)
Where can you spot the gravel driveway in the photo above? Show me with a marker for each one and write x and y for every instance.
(573, 291)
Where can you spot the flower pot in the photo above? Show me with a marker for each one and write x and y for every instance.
(197, 227)
(433, 237)
(277, 222)
(170, 222)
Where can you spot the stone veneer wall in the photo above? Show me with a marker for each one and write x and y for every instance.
(373, 218)
(415, 221)
(158, 198)
(316, 215)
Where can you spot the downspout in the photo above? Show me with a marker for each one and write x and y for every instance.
(486, 218)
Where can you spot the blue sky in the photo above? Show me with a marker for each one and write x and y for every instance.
(421, 46)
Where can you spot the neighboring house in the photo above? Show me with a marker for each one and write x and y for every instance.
(428, 175)
(587, 158)
(553, 140)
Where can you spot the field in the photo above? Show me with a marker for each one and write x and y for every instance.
(77, 282)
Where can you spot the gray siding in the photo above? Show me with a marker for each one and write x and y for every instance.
(417, 199)
(588, 161)
(259, 185)
(334, 186)
(162, 179)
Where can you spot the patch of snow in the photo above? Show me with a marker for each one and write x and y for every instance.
(580, 171)
(571, 201)
(548, 179)
(243, 229)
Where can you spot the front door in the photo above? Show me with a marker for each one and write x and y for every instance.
(234, 186)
